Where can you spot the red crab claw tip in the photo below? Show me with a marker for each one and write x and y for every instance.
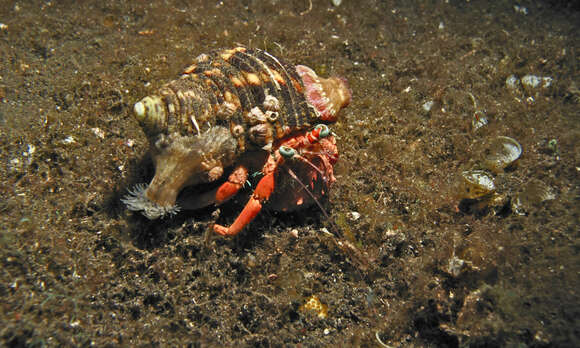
(222, 230)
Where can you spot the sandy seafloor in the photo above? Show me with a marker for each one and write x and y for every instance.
(431, 268)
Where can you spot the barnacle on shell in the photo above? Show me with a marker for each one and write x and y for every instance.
(227, 102)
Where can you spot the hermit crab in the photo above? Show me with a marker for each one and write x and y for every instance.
(240, 112)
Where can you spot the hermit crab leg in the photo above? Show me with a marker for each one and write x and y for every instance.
(235, 182)
(261, 194)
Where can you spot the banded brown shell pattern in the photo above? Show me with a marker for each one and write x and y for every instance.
(257, 96)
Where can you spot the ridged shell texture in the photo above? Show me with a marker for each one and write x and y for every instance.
(257, 96)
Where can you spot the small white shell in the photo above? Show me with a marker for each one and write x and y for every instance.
(427, 106)
(476, 184)
(512, 82)
(502, 152)
(531, 81)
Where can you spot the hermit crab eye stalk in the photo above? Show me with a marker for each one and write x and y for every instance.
(287, 152)
(323, 129)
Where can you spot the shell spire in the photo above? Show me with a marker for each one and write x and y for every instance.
(151, 114)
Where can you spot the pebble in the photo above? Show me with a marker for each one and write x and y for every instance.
(98, 132)
(533, 81)
(294, 233)
(69, 140)
(428, 105)
(512, 82)
(521, 9)
(354, 215)
(325, 231)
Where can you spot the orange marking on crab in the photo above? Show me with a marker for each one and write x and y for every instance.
(229, 97)
(213, 72)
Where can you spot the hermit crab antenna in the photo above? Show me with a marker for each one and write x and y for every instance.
(305, 188)
(302, 158)
(288, 153)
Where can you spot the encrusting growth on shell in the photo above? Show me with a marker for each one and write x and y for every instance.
(137, 200)
(182, 161)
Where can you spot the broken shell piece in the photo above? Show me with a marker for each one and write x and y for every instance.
(476, 184)
(534, 192)
(532, 81)
(354, 215)
(479, 120)
(512, 82)
(314, 305)
(455, 266)
(501, 153)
